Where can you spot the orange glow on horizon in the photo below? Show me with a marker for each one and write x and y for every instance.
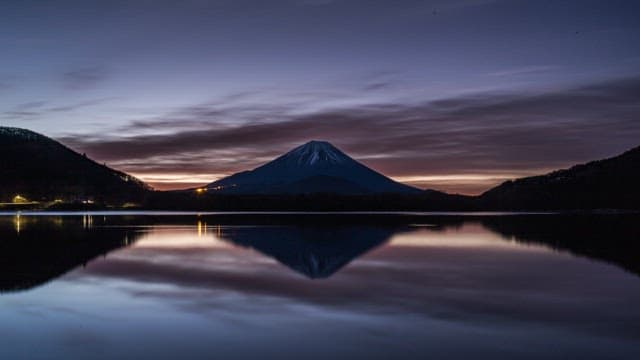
(467, 184)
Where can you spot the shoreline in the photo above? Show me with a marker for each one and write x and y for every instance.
(347, 213)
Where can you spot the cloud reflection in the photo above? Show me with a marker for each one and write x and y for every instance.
(485, 280)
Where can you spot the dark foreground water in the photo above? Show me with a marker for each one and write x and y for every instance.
(320, 287)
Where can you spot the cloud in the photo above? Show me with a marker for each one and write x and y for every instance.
(25, 111)
(85, 77)
(79, 105)
(38, 109)
(5, 86)
(316, 2)
(481, 134)
(525, 70)
(377, 86)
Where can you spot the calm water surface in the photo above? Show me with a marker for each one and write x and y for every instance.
(317, 287)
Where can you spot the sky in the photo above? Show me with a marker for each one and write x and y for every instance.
(455, 95)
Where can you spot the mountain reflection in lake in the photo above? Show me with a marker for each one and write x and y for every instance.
(311, 286)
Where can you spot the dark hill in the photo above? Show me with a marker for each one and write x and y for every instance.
(612, 183)
(41, 169)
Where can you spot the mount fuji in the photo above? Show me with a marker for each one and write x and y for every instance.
(315, 167)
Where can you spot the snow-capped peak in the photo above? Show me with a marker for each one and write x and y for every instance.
(315, 152)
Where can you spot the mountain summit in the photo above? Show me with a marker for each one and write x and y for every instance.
(317, 153)
(315, 167)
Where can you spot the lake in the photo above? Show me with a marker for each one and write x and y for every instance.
(319, 286)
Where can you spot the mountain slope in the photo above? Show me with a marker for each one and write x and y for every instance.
(39, 168)
(612, 183)
(314, 167)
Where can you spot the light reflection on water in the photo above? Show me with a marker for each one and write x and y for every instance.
(203, 287)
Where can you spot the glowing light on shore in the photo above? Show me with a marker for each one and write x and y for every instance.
(19, 199)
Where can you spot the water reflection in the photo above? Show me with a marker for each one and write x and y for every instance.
(392, 287)
(615, 239)
(316, 251)
(34, 250)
